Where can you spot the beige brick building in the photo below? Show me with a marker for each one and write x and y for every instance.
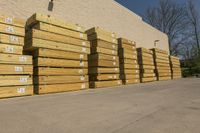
(107, 14)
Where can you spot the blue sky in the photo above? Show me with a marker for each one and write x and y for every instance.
(140, 6)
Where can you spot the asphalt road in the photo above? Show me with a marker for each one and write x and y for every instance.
(159, 107)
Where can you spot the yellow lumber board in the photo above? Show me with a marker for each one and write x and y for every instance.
(163, 64)
(131, 81)
(127, 55)
(164, 78)
(12, 30)
(101, 84)
(129, 66)
(100, 77)
(11, 39)
(59, 71)
(15, 59)
(99, 70)
(34, 33)
(129, 71)
(151, 79)
(128, 51)
(144, 50)
(100, 56)
(99, 30)
(15, 80)
(122, 41)
(129, 76)
(174, 58)
(146, 75)
(146, 62)
(41, 52)
(11, 49)
(59, 79)
(102, 37)
(103, 51)
(50, 62)
(11, 20)
(38, 17)
(58, 88)
(15, 91)
(163, 71)
(128, 47)
(162, 61)
(16, 69)
(147, 67)
(163, 74)
(104, 44)
(129, 61)
(39, 43)
(147, 70)
(156, 50)
(60, 31)
(103, 63)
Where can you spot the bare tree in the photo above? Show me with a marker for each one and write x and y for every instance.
(170, 18)
(194, 21)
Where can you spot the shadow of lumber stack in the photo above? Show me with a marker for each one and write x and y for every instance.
(175, 67)
(60, 51)
(162, 64)
(129, 69)
(146, 64)
(104, 60)
(16, 69)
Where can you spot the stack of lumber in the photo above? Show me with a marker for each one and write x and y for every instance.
(162, 64)
(175, 67)
(146, 64)
(104, 59)
(60, 52)
(16, 69)
(129, 69)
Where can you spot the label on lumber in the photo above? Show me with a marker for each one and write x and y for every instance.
(83, 86)
(82, 64)
(22, 59)
(10, 29)
(9, 20)
(114, 63)
(81, 56)
(84, 43)
(113, 46)
(10, 49)
(21, 90)
(18, 69)
(84, 50)
(14, 39)
(114, 58)
(82, 78)
(116, 69)
(23, 79)
(81, 35)
(80, 71)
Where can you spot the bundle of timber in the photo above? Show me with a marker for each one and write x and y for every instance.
(175, 67)
(146, 64)
(162, 64)
(129, 69)
(104, 59)
(16, 69)
(60, 52)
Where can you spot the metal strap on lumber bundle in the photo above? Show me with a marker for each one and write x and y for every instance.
(38, 17)
(10, 20)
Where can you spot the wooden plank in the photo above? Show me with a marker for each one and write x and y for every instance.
(174, 58)
(59, 71)
(128, 51)
(37, 17)
(102, 37)
(129, 66)
(163, 64)
(144, 50)
(103, 77)
(16, 91)
(60, 30)
(101, 84)
(11, 49)
(34, 33)
(49, 62)
(104, 44)
(146, 62)
(147, 67)
(15, 59)
(151, 79)
(95, 50)
(39, 43)
(103, 63)
(98, 30)
(16, 69)
(58, 88)
(10, 20)
(156, 50)
(161, 61)
(11, 39)
(163, 74)
(129, 76)
(99, 56)
(129, 71)
(129, 61)
(12, 30)
(41, 52)
(127, 46)
(164, 78)
(99, 70)
(47, 80)
(15, 80)
(131, 81)
(163, 71)
(127, 55)
(122, 41)
(146, 71)
(146, 75)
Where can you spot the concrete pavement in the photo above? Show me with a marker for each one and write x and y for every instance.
(159, 107)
